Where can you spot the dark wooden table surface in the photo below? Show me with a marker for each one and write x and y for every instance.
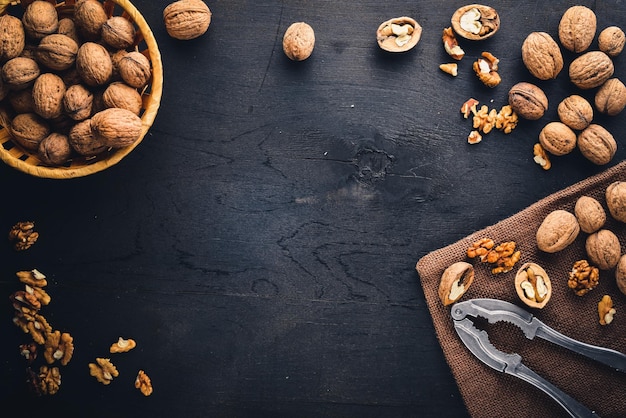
(260, 243)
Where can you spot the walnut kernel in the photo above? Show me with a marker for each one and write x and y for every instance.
(23, 236)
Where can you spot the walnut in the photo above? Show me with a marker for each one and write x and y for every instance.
(120, 94)
(118, 32)
(50, 380)
(59, 346)
(455, 281)
(557, 138)
(577, 28)
(33, 324)
(48, 92)
(606, 311)
(84, 141)
(54, 150)
(620, 274)
(398, 34)
(4, 89)
(451, 45)
(116, 58)
(21, 101)
(451, 68)
(103, 370)
(597, 144)
(12, 37)
(590, 214)
(533, 285)
(603, 249)
(557, 230)
(591, 70)
(20, 72)
(615, 196)
(94, 64)
(611, 97)
(484, 120)
(23, 235)
(474, 137)
(583, 277)
(34, 277)
(28, 130)
(469, 107)
(40, 19)
(486, 69)
(143, 383)
(57, 52)
(481, 248)
(67, 27)
(504, 256)
(506, 119)
(122, 345)
(540, 156)
(611, 41)
(134, 68)
(575, 111)
(542, 56)
(77, 102)
(116, 127)
(186, 19)
(29, 352)
(23, 298)
(528, 100)
(475, 22)
(89, 16)
(298, 41)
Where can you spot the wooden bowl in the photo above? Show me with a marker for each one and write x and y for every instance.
(28, 162)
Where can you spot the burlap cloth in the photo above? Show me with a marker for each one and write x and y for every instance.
(489, 393)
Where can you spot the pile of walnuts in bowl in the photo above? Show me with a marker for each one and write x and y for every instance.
(71, 83)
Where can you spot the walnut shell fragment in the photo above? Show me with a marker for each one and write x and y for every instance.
(533, 285)
(399, 34)
(455, 281)
(558, 230)
(475, 22)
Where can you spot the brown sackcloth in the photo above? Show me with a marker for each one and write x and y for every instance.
(489, 393)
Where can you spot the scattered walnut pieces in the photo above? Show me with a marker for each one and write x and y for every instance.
(50, 380)
(122, 345)
(29, 352)
(469, 107)
(32, 278)
(474, 137)
(485, 119)
(23, 235)
(541, 157)
(59, 347)
(143, 383)
(103, 370)
(486, 68)
(450, 68)
(480, 248)
(33, 324)
(451, 45)
(506, 119)
(583, 277)
(504, 256)
(606, 311)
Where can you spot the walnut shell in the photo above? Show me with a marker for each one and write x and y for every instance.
(20, 72)
(83, 140)
(134, 68)
(40, 19)
(597, 144)
(620, 274)
(575, 111)
(542, 56)
(591, 69)
(590, 214)
(57, 52)
(615, 196)
(94, 64)
(455, 281)
(67, 27)
(557, 138)
(611, 97)
(399, 34)
(558, 230)
(54, 150)
(89, 16)
(475, 22)
(48, 92)
(120, 94)
(577, 28)
(29, 129)
(528, 100)
(611, 41)
(22, 101)
(116, 127)
(118, 32)
(12, 37)
(603, 249)
(522, 276)
(187, 19)
(77, 102)
(298, 41)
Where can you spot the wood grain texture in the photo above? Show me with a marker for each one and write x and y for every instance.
(260, 244)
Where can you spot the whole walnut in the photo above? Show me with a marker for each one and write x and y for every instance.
(590, 214)
(120, 94)
(542, 56)
(12, 37)
(611, 41)
(591, 69)
(118, 32)
(94, 64)
(615, 195)
(557, 138)
(57, 52)
(40, 19)
(575, 111)
(77, 102)
(597, 144)
(54, 150)
(611, 97)
(299, 41)
(83, 140)
(187, 19)
(603, 249)
(89, 16)
(67, 27)
(48, 92)
(22, 101)
(20, 72)
(558, 230)
(134, 69)
(528, 100)
(620, 274)
(28, 130)
(116, 127)
(577, 28)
